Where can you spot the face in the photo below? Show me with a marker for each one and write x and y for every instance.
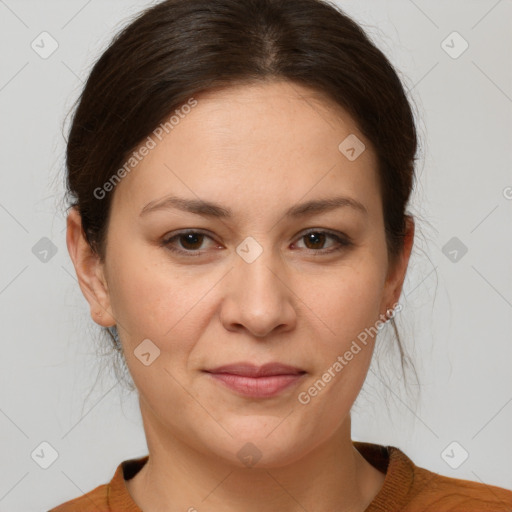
(256, 279)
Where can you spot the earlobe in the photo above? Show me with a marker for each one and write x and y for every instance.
(89, 270)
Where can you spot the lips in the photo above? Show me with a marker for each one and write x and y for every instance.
(250, 370)
(252, 381)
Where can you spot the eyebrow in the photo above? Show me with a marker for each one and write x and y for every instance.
(209, 209)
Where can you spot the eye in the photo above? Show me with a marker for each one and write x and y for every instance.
(316, 238)
(189, 240)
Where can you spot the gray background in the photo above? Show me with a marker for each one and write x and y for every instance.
(457, 315)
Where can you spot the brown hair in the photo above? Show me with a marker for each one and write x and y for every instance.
(178, 48)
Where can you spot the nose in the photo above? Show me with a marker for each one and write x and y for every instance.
(259, 297)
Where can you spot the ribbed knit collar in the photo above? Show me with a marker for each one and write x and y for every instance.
(399, 470)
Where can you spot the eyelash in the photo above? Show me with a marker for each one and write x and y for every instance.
(342, 240)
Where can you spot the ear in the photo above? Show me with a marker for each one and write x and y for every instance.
(89, 270)
(396, 273)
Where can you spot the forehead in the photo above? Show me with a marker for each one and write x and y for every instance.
(247, 141)
(254, 112)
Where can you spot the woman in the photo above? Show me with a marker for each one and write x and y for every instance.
(240, 173)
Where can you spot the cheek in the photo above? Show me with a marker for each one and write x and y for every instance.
(148, 296)
(343, 302)
(343, 349)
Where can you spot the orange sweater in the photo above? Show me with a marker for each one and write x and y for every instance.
(406, 488)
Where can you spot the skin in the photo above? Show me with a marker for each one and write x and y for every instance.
(256, 149)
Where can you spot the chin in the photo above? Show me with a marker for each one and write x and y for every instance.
(260, 445)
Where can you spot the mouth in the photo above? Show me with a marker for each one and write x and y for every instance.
(257, 381)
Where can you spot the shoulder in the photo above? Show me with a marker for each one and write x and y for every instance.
(432, 491)
(408, 487)
(109, 497)
(96, 500)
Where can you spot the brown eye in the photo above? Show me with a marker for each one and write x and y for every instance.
(316, 239)
(189, 242)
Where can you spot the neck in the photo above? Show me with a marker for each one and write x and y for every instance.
(332, 477)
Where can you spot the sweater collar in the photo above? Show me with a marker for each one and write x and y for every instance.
(399, 470)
